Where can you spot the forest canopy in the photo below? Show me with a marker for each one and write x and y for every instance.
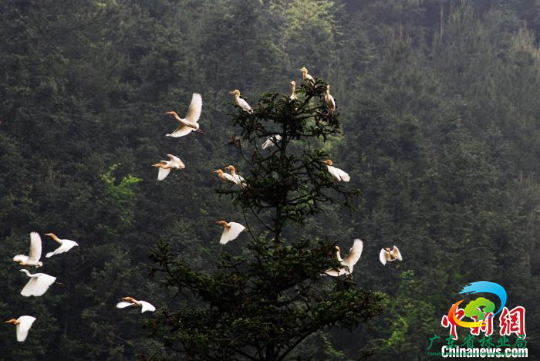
(438, 109)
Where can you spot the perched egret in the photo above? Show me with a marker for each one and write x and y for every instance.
(190, 122)
(307, 78)
(348, 262)
(238, 178)
(37, 286)
(23, 323)
(130, 301)
(271, 141)
(225, 177)
(65, 245)
(390, 255)
(35, 253)
(336, 172)
(293, 91)
(231, 230)
(165, 166)
(241, 102)
(329, 99)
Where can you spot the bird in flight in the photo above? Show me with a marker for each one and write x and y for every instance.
(191, 121)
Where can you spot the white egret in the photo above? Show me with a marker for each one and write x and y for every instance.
(225, 177)
(165, 166)
(241, 102)
(307, 78)
(347, 264)
(23, 323)
(293, 91)
(65, 245)
(35, 253)
(130, 301)
(190, 122)
(231, 230)
(238, 178)
(271, 141)
(329, 99)
(38, 284)
(388, 254)
(336, 172)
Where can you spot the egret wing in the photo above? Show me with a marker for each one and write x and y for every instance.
(20, 258)
(163, 173)
(64, 247)
(354, 253)
(35, 247)
(195, 108)
(124, 304)
(335, 273)
(180, 132)
(382, 256)
(397, 253)
(269, 143)
(176, 161)
(341, 175)
(37, 286)
(240, 180)
(230, 178)
(146, 307)
(231, 233)
(235, 230)
(333, 172)
(25, 323)
(225, 236)
(244, 105)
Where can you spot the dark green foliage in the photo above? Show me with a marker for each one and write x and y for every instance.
(439, 108)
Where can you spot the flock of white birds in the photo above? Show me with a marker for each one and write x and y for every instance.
(39, 283)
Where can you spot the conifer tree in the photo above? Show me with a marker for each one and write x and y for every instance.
(261, 304)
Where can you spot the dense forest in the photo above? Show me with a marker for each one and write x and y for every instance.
(439, 105)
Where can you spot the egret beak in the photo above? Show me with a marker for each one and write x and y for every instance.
(199, 131)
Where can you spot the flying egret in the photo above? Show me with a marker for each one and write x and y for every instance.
(65, 245)
(293, 91)
(271, 141)
(238, 178)
(329, 99)
(190, 122)
(165, 166)
(35, 253)
(225, 177)
(23, 323)
(388, 254)
(347, 264)
(241, 102)
(307, 78)
(231, 230)
(336, 172)
(130, 301)
(38, 284)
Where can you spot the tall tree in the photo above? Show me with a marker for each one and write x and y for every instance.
(262, 303)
